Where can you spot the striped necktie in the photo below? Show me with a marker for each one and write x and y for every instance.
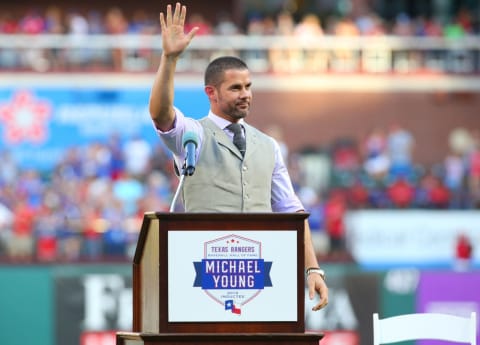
(238, 138)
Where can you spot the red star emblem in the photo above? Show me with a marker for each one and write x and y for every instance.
(24, 118)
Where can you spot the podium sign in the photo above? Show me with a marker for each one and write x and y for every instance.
(212, 272)
(232, 276)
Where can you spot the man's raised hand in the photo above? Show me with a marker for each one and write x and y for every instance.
(174, 38)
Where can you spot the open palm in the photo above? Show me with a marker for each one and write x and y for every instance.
(174, 39)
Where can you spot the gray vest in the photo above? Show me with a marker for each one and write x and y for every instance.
(222, 181)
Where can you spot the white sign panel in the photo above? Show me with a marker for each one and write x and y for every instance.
(232, 276)
(413, 237)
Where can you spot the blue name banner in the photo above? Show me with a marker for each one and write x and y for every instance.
(238, 274)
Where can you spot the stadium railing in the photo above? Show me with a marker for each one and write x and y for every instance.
(264, 54)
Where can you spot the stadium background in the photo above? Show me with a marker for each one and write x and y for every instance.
(396, 259)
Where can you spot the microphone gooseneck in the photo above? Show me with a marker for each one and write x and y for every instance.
(190, 144)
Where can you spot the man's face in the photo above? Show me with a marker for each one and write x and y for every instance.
(233, 96)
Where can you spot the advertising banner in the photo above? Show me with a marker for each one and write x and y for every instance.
(38, 124)
(410, 238)
(449, 293)
(91, 307)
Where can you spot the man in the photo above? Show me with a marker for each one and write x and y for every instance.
(223, 180)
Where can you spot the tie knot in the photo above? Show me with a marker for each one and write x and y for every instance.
(236, 128)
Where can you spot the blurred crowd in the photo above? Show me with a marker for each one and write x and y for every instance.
(114, 21)
(91, 205)
(60, 20)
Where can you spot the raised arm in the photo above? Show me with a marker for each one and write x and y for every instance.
(174, 42)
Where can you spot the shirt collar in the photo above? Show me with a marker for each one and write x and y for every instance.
(220, 121)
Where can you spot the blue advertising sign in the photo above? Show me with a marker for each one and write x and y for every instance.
(37, 125)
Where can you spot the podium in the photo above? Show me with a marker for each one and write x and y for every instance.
(219, 278)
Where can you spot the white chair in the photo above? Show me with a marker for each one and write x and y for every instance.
(425, 326)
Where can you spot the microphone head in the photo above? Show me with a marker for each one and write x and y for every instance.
(189, 137)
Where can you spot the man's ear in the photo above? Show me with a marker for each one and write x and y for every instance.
(211, 93)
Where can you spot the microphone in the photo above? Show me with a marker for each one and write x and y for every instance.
(190, 143)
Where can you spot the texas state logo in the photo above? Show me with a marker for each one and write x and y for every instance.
(232, 272)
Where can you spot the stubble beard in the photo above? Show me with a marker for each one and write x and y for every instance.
(238, 114)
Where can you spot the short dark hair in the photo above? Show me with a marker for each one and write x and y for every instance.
(216, 68)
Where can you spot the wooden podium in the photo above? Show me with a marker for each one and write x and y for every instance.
(160, 310)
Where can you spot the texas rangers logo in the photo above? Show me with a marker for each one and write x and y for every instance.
(25, 118)
(232, 271)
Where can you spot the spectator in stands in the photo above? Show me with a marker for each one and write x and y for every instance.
(345, 60)
(115, 21)
(358, 195)
(199, 57)
(346, 161)
(284, 59)
(161, 159)
(334, 219)
(9, 58)
(429, 27)
(276, 132)
(198, 20)
(78, 31)
(473, 157)
(32, 23)
(69, 235)
(225, 26)
(157, 193)
(21, 244)
(370, 24)
(403, 25)
(54, 25)
(92, 229)
(6, 220)
(454, 30)
(376, 160)
(454, 178)
(97, 161)
(117, 159)
(137, 154)
(400, 146)
(463, 253)
(96, 24)
(115, 238)
(129, 190)
(141, 23)
(306, 32)
(439, 195)
(8, 23)
(9, 170)
(401, 193)
(48, 224)
(31, 185)
(54, 21)
(116, 24)
(465, 20)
